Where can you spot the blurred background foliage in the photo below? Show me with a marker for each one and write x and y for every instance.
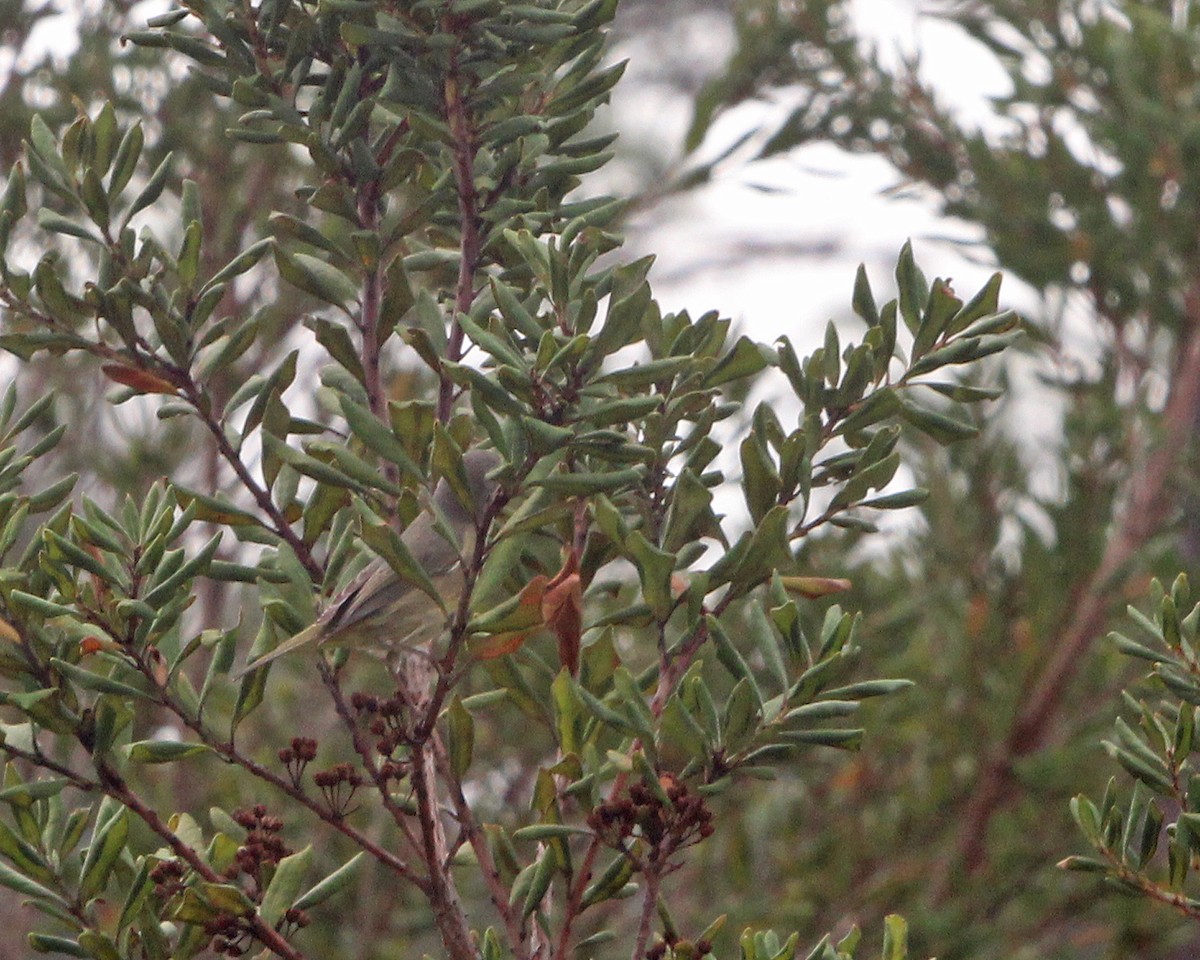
(1085, 182)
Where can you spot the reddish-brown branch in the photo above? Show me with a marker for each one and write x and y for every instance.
(443, 895)
(38, 759)
(487, 865)
(653, 873)
(463, 140)
(1146, 510)
(229, 753)
(262, 496)
(583, 876)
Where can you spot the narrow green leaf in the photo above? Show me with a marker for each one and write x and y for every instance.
(284, 887)
(460, 737)
(164, 751)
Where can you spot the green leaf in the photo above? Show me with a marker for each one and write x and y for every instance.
(106, 846)
(45, 943)
(731, 658)
(332, 884)
(863, 301)
(376, 436)
(583, 484)
(549, 831)
(745, 360)
(336, 340)
(986, 301)
(742, 713)
(164, 751)
(942, 428)
(56, 223)
(895, 938)
(152, 190)
(840, 739)
(129, 151)
(39, 606)
(543, 873)
(16, 881)
(914, 291)
(460, 736)
(316, 277)
(655, 568)
(282, 891)
(94, 681)
(760, 477)
(568, 711)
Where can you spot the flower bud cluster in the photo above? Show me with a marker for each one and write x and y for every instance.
(298, 756)
(167, 878)
(681, 820)
(385, 719)
(262, 847)
(338, 785)
(229, 936)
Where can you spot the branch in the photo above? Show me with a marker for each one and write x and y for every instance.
(1145, 513)
(443, 896)
(229, 753)
(39, 759)
(483, 854)
(577, 889)
(653, 875)
(262, 496)
(463, 145)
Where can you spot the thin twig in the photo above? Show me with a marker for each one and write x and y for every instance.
(262, 496)
(39, 759)
(653, 874)
(229, 753)
(583, 877)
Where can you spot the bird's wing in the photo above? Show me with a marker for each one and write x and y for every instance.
(308, 635)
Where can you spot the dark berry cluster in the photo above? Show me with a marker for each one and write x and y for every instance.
(298, 756)
(262, 846)
(167, 878)
(338, 785)
(385, 718)
(666, 825)
(229, 936)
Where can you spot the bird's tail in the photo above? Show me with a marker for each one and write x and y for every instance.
(309, 635)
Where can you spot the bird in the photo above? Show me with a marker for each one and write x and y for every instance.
(384, 614)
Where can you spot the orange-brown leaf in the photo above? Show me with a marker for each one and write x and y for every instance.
(562, 611)
(95, 644)
(143, 381)
(497, 645)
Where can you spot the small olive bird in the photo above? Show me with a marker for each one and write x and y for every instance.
(384, 614)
